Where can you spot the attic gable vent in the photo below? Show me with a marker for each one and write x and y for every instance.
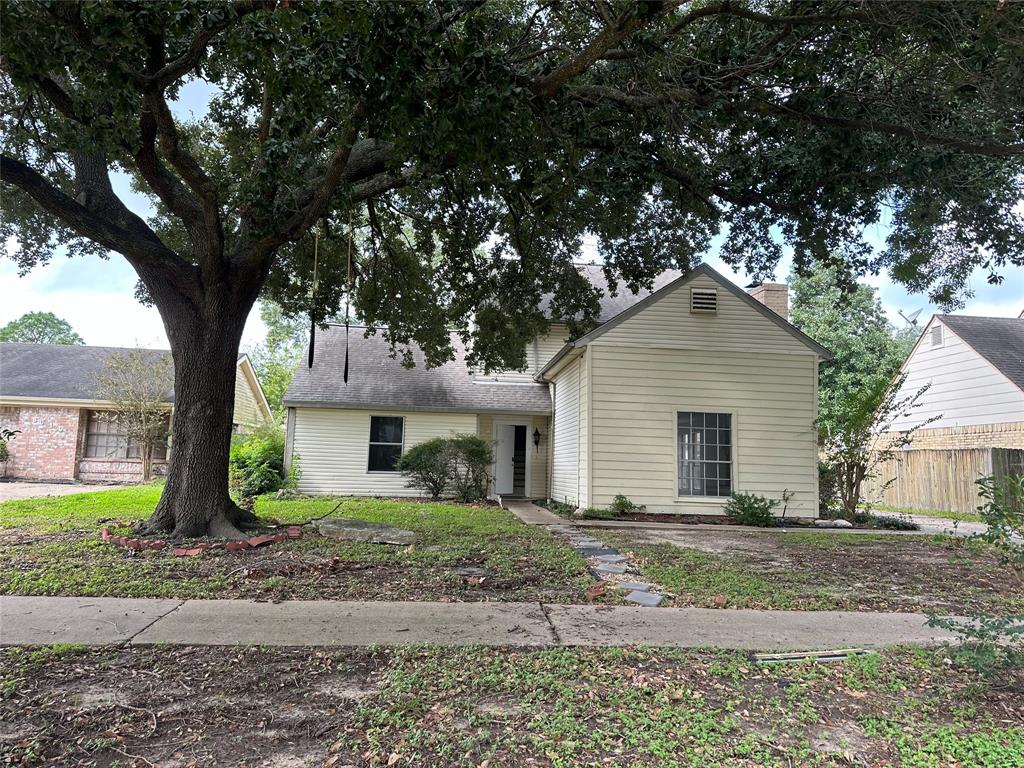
(703, 300)
(937, 336)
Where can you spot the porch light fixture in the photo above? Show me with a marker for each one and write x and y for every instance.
(536, 438)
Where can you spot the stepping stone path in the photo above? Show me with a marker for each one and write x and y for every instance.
(610, 567)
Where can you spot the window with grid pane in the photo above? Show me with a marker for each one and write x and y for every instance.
(386, 434)
(106, 439)
(705, 453)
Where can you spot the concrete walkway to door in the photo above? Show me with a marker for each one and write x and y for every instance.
(136, 621)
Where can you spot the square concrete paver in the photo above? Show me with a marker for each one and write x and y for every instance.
(326, 623)
(85, 620)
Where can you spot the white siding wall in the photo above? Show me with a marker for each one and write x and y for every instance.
(569, 434)
(333, 448)
(637, 392)
(247, 411)
(538, 353)
(965, 388)
(736, 327)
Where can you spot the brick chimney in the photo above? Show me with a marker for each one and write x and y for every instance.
(775, 296)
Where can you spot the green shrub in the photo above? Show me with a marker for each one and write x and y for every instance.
(428, 466)
(621, 505)
(256, 463)
(751, 509)
(6, 435)
(471, 467)
(457, 466)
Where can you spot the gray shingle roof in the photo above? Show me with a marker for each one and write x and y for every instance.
(57, 371)
(1000, 340)
(624, 298)
(376, 380)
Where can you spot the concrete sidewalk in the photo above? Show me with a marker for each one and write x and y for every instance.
(103, 621)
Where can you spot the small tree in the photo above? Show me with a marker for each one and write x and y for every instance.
(139, 383)
(860, 439)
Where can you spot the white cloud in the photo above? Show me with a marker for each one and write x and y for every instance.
(103, 315)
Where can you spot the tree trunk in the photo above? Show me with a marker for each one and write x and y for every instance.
(195, 501)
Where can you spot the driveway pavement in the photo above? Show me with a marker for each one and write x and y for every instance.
(17, 489)
(102, 621)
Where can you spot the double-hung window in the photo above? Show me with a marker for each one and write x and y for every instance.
(386, 433)
(105, 438)
(705, 453)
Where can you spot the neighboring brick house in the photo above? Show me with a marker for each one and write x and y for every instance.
(48, 393)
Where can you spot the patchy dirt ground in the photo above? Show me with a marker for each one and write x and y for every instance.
(292, 708)
(516, 568)
(825, 570)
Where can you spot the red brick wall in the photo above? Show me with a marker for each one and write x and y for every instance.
(47, 447)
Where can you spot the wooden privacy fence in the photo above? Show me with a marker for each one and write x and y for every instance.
(940, 479)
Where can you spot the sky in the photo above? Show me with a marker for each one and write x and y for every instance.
(96, 296)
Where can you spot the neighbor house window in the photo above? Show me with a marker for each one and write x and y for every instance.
(705, 453)
(106, 439)
(386, 433)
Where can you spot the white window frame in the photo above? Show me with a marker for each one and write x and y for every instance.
(370, 442)
(733, 453)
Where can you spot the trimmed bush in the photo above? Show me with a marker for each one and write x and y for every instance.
(428, 466)
(751, 509)
(256, 463)
(457, 466)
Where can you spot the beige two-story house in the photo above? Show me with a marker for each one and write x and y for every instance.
(678, 398)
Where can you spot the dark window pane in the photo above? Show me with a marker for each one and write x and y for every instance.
(723, 453)
(383, 457)
(711, 488)
(385, 429)
(724, 487)
(724, 471)
(725, 420)
(684, 420)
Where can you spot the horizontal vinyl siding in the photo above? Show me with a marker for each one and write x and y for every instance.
(333, 447)
(566, 434)
(246, 411)
(538, 353)
(735, 327)
(966, 390)
(638, 391)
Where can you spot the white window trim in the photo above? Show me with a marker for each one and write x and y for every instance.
(733, 453)
(369, 434)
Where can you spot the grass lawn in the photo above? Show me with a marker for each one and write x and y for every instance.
(825, 571)
(51, 546)
(500, 708)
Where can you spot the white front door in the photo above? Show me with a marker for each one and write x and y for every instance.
(504, 458)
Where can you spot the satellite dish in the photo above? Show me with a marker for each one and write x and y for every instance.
(912, 317)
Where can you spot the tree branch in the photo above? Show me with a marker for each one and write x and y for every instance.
(87, 221)
(610, 37)
(191, 56)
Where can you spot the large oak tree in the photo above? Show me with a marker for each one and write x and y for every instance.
(437, 128)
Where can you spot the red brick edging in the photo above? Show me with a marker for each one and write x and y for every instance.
(293, 532)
